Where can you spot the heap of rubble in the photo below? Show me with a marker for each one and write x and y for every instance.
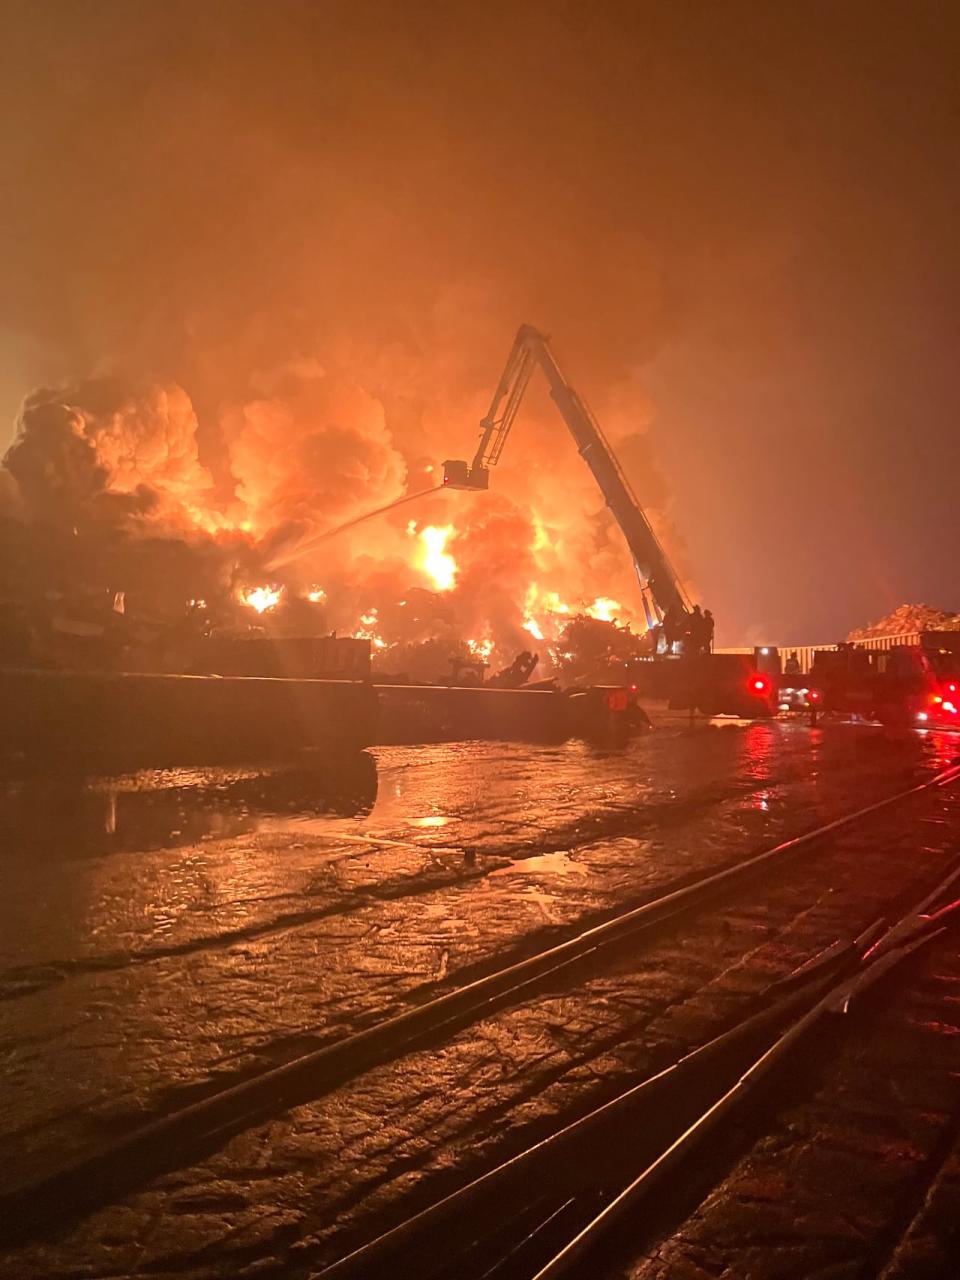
(907, 619)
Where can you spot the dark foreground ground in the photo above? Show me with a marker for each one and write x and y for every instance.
(165, 934)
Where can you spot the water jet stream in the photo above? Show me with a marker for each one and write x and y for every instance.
(294, 553)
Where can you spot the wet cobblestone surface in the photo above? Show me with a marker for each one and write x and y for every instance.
(862, 1179)
(171, 933)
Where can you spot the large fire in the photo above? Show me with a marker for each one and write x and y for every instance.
(544, 619)
(320, 492)
(262, 598)
(435, 561)
(603, 609)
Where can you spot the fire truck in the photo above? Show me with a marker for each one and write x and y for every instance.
(711, 683)
(905, 685)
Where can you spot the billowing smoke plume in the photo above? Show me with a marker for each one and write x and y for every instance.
(105, 486)
(113, 452)
(313, 450)
(301, 282)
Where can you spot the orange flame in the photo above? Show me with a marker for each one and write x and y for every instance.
(603, 609)
(435, 561)
(262, 598)
(480, 649)
(366, 630)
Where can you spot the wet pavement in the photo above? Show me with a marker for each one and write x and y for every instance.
(862, 1176)
(167, 933)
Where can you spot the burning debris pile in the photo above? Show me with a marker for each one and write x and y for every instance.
(908, 619)
(129, 536)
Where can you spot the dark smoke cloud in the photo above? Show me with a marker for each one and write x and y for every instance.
(106, 450)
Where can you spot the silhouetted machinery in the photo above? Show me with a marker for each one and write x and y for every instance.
(906, 685)
(714, 683)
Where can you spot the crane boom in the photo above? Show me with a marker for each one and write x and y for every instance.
(530, 348)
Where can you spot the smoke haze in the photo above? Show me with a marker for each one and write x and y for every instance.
(270, 258)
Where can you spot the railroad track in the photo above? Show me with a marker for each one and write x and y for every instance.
(548, 1212)
(198, 1129)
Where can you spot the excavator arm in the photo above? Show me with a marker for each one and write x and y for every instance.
(656, 573)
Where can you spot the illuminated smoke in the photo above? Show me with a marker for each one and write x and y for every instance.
(11, 506)
(336, 289)
(309, 453)
(313, 453)
(105, 450)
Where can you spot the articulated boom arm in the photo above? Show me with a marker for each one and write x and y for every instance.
(495, 427)
(531, 347)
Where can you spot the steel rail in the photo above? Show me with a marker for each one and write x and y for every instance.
(164, 1143)
(826, 983)
(481, 1200)
(877, 963)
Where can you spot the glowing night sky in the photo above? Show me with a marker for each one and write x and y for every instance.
(749, 210)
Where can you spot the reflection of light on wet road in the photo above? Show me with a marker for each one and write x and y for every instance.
(200, 914)
(761, 751)
(262, 835)
(943, 746)
(198, 846)
(544, 864)
(530, 874)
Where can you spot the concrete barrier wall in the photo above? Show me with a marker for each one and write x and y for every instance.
(155, 720)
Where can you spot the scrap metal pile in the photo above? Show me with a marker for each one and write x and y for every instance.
(908, 619)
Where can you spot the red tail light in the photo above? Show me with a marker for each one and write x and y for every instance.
(759, 685)
(814, 695)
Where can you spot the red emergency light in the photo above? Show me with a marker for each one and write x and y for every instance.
(759, 685)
